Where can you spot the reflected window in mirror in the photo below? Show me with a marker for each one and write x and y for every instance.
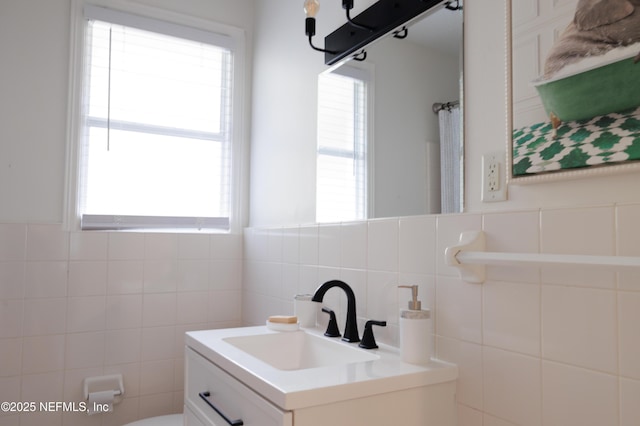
(341, 185)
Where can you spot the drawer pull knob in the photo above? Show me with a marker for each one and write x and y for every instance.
(205, 396)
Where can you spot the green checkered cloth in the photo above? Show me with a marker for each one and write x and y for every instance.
(602, 140)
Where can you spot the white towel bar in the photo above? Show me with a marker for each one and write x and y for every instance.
(469, 256)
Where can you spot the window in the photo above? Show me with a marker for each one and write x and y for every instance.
(155, 127)
(342, 141)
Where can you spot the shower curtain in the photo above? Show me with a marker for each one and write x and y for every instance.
(450, 159)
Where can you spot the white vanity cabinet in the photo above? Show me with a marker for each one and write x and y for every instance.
(222, 381)
(211, 394)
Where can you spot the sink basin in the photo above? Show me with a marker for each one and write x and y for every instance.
(298, 350)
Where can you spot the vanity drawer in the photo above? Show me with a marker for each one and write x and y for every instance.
(213, 395)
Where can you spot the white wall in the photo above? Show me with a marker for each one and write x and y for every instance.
(77, 304)
(534, 346)
(283, 115)
(485, 116)
(284, 118)
(34, 42)
(44, 269)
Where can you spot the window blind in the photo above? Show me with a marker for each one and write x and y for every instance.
(156, 139)
(341, 161)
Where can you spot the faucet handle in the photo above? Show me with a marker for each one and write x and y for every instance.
(368, 341)
(332, 328)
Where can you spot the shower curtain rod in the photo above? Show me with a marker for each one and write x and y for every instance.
(471, 258)
(439, 106)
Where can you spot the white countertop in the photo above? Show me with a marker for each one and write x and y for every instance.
(295, 389)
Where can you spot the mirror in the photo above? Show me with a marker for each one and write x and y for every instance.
(406, 78)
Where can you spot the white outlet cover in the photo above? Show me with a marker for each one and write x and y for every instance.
(493, 190)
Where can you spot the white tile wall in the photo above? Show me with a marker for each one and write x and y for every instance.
(511, 316)
(627, 237)
(565, 311)
(628, 319)
(417, 246)
(534, 346)
(629, 397)
(512, 388)
(382, 245)
(563, 231)
(80, 304)
(572, 395)
(353, 245)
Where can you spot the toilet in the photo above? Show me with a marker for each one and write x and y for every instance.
(170, 420)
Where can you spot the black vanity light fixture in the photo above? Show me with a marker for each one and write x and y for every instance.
(381, 18)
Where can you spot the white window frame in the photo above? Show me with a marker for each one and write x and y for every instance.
(237, 203)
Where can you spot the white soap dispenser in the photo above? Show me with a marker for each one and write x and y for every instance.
(415, 330)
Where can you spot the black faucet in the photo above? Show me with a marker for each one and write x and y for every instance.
(351, 326)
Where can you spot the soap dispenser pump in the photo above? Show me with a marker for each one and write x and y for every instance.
(415, 330)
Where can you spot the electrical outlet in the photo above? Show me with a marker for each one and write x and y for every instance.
(494, 186)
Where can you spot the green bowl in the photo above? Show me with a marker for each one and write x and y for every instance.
(609, 88)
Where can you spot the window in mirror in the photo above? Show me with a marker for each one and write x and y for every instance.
(341, 185)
